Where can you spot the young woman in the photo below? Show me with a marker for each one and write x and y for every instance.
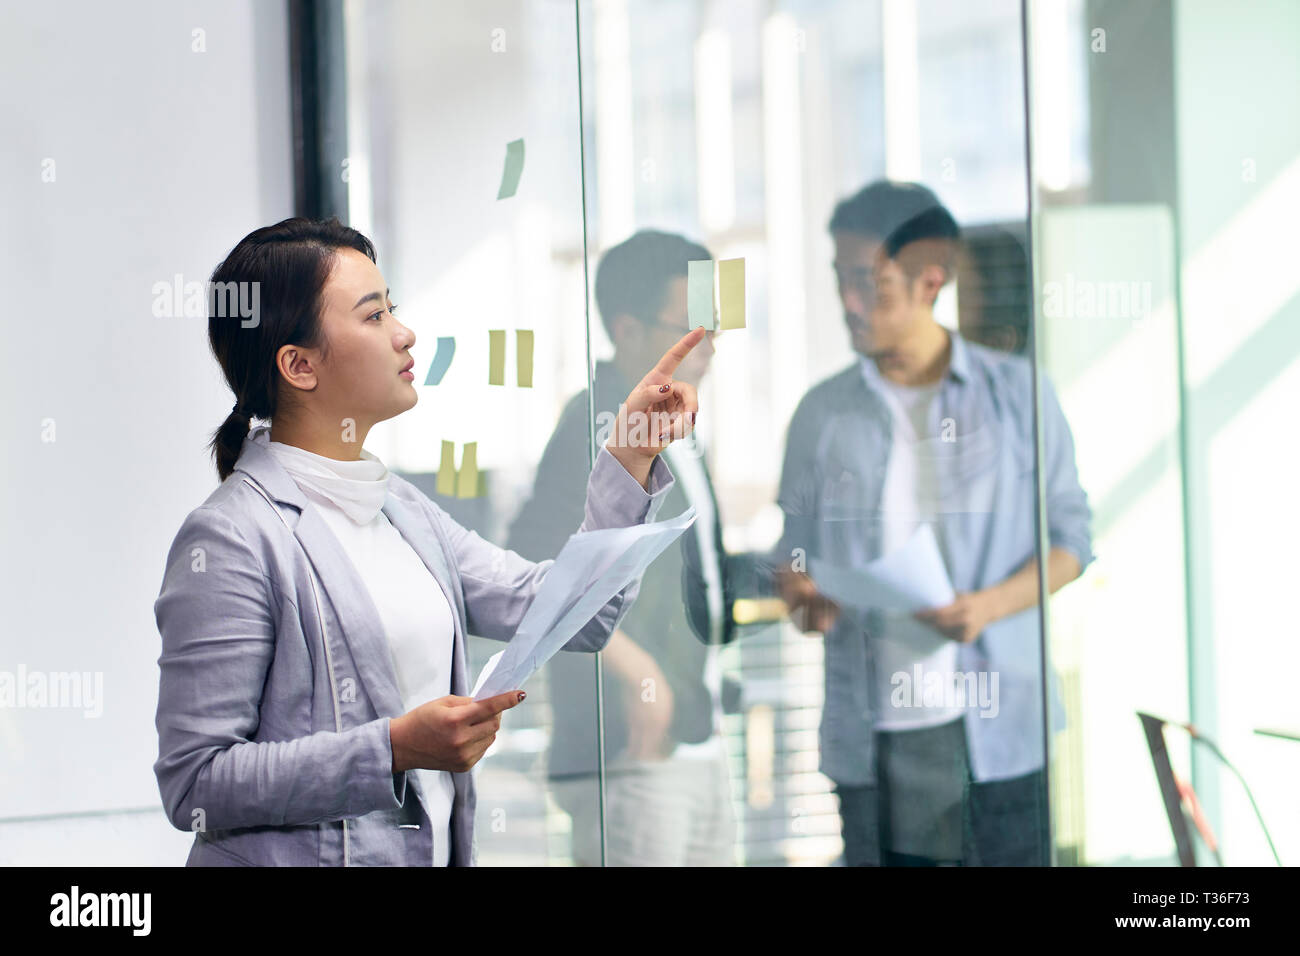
(312, 705)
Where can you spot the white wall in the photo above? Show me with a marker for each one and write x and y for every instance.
(163, 158)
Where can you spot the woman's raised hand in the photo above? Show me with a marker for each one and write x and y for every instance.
(450, 733)
(658, 411)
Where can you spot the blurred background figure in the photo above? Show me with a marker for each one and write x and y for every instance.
(994, 307)
(668, 799)
(927, 428)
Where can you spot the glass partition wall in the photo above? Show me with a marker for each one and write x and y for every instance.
(968, 349)
(876, 405)
(1166, 138)
(839, 190)
(483, 244)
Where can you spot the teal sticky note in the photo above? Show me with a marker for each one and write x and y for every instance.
(699, 293)
(514, 169)
(441, 360)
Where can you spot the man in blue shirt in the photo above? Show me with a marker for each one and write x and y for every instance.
(932, 728)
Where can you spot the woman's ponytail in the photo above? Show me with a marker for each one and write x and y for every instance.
(228, 440)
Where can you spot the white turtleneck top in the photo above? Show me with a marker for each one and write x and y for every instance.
(416, 616)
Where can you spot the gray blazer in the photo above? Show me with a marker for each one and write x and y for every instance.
(276, 684)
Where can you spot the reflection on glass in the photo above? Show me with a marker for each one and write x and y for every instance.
(932, 727)
(436, 96)
(741, 126)
(667, 788)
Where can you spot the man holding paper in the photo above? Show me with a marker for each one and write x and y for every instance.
(908, 491)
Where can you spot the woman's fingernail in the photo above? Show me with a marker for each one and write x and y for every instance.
(522, 695)
(664, 388)
(692, 418)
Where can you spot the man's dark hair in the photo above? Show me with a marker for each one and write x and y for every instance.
(633, 276)
(899, 214)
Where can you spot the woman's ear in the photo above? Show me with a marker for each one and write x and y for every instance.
(295, 367)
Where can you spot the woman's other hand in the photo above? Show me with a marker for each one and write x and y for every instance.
(657, 412)
(450, 733)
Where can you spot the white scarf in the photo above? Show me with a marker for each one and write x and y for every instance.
(358, 488)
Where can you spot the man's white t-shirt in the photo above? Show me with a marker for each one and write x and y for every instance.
(911, 497)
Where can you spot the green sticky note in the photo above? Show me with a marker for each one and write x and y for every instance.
(467, 480)
(514, 169)
(524, 357)
(699, 293)
(447, 470)
(731, 293)
(496, 356)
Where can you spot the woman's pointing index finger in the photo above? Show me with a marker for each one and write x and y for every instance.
(673, 357)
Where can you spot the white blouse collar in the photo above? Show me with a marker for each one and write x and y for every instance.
(358, 488)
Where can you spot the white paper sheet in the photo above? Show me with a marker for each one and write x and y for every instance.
(589, 570)
(911, 578)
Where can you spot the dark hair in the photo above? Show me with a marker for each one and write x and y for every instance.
(899, 214)
(633, 277)
(286, 265)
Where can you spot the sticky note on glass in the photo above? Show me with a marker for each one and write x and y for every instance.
(731, 293)
(496, 356)
(699, 293)
(447, 470)
(514, 169)
(467, 480)
(441, 360)
(524, 357)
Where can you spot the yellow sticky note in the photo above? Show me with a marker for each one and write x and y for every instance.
(447, 470)
(497, 357)
(467, 480)
(731, 293)
(524, 357)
